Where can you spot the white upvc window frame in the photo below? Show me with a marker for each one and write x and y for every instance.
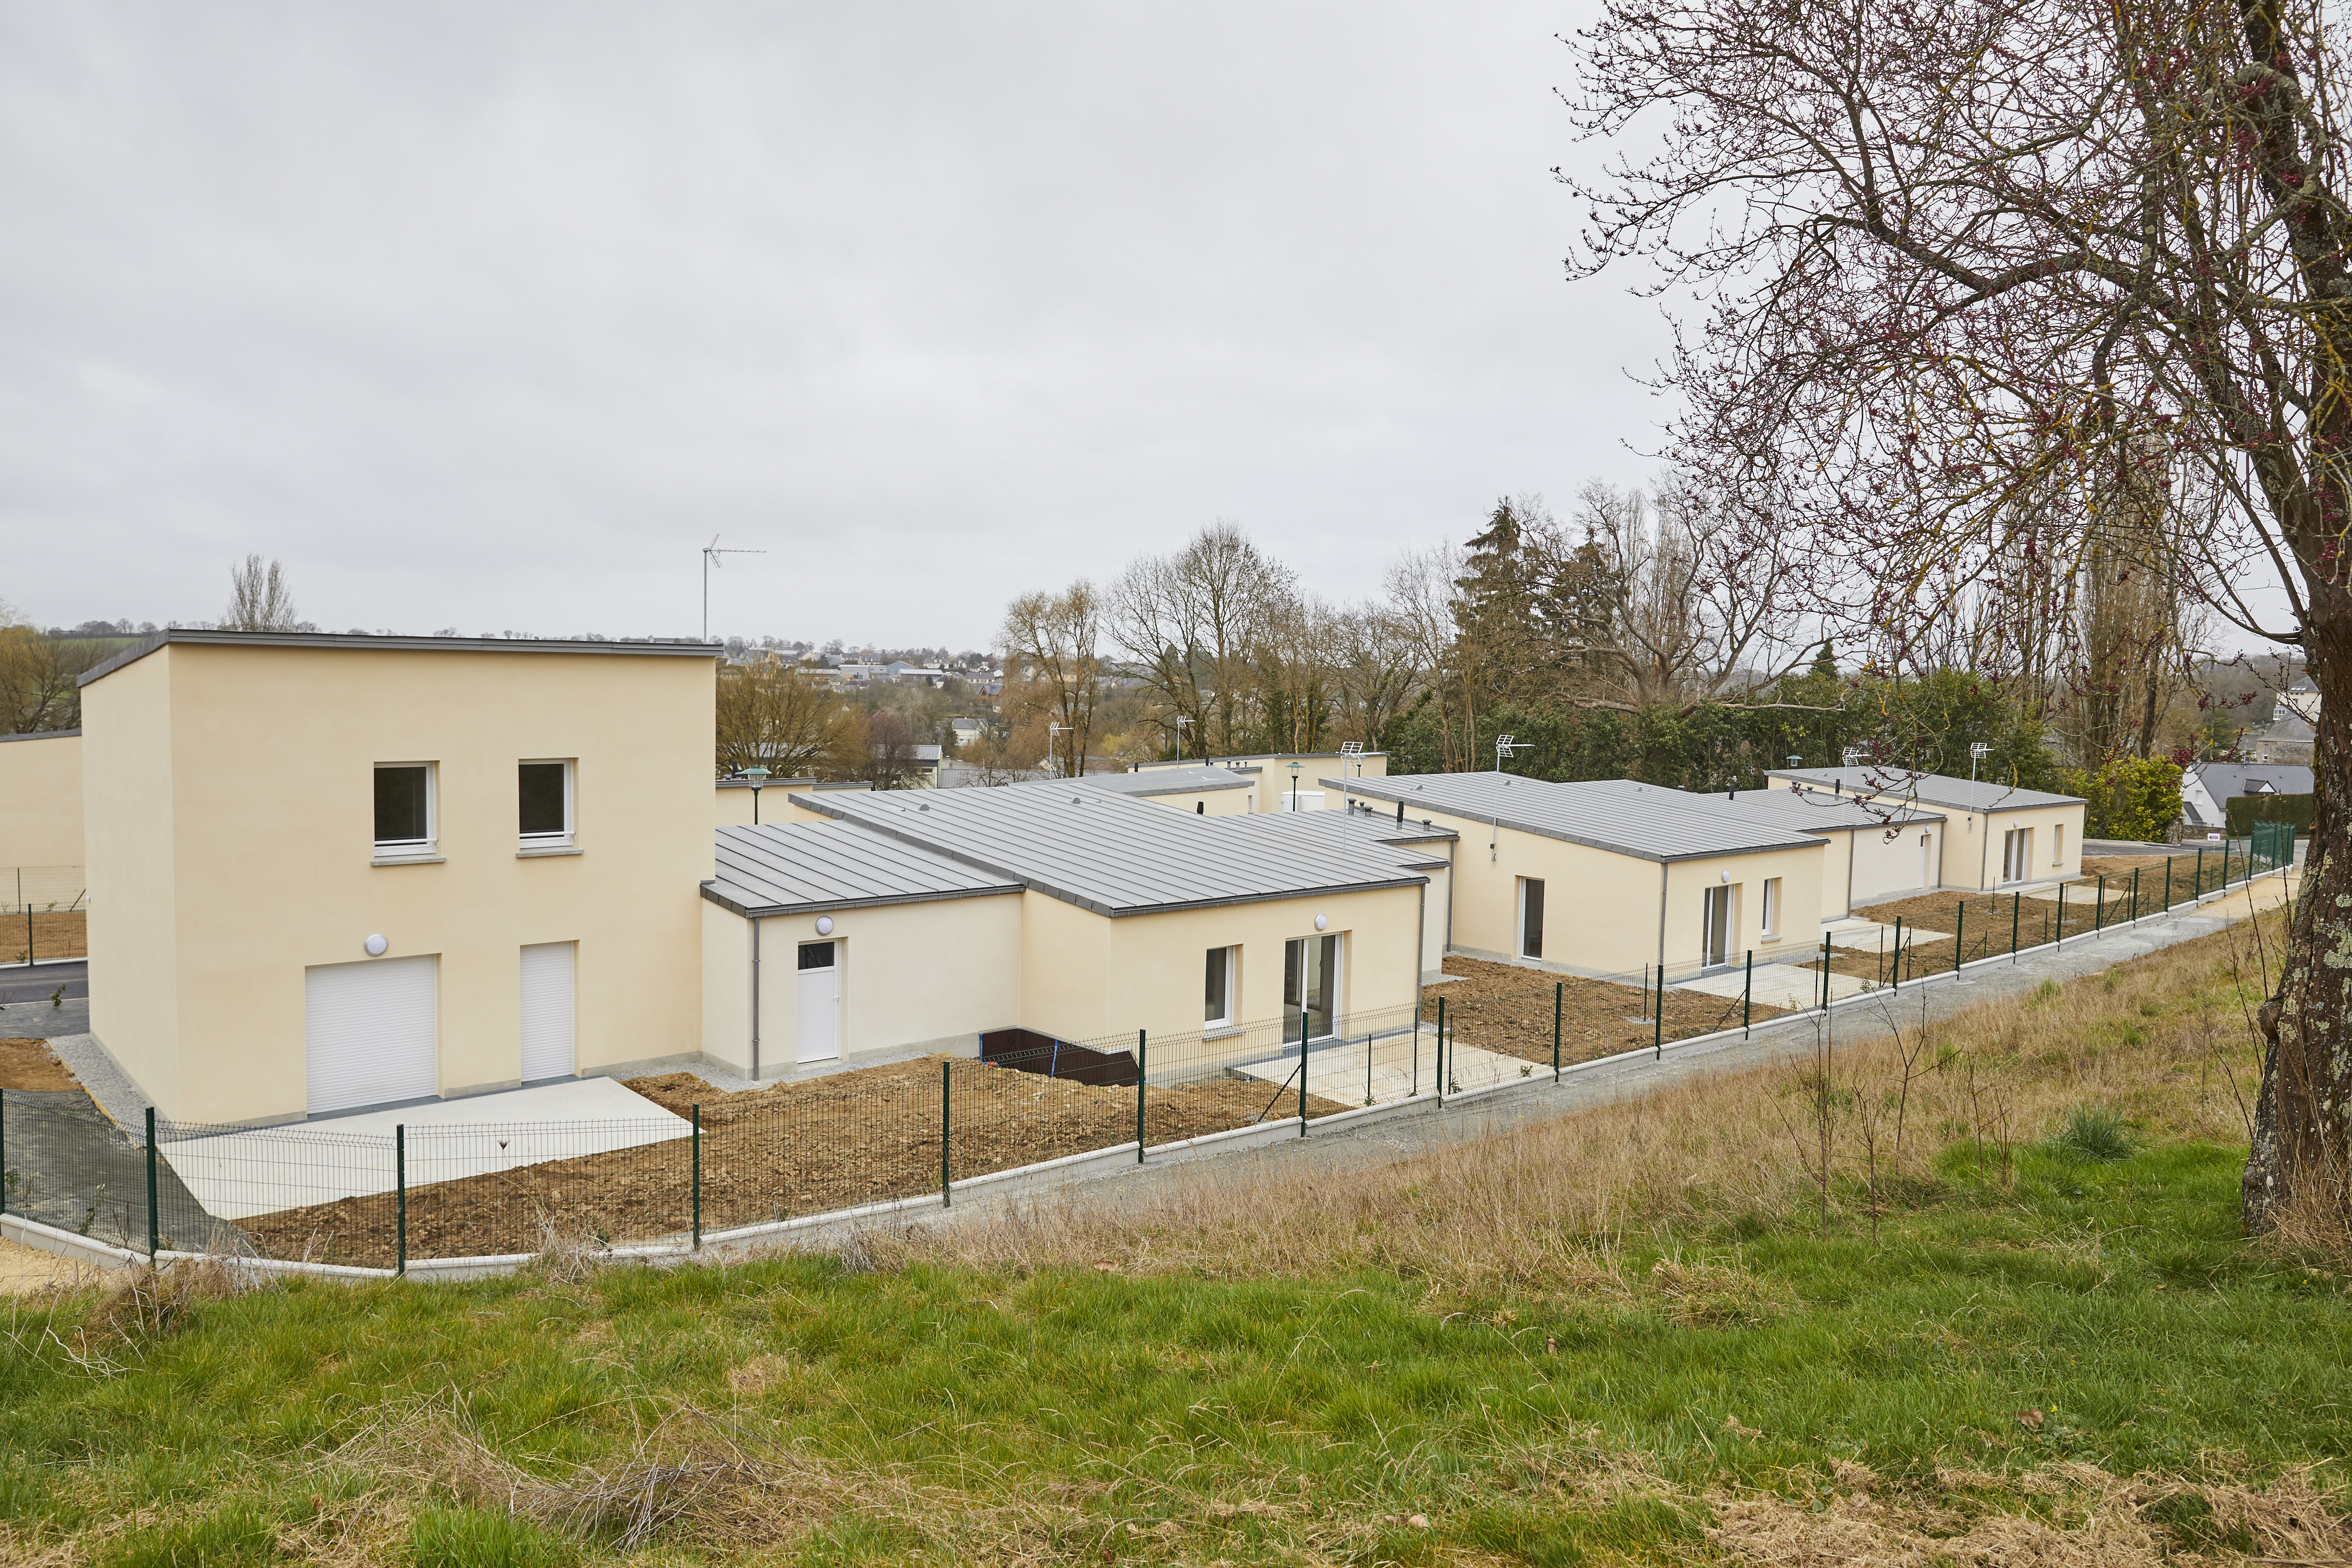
(1519, 936)
(2058, 844)
(1232, 957)
(566, 842)
(422, 851)
(1768, 925)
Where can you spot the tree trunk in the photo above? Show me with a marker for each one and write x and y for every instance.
(2302, 1118)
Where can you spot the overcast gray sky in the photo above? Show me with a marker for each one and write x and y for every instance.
(490, 315)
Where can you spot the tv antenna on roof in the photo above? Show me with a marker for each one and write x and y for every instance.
(710, 557)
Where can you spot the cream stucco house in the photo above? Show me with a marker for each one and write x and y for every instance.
(1994, 834)
(332, 871)
(879, 922)
(1611, 877)
(40, 806)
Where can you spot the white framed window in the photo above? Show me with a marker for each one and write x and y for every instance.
(407, 825)
(2058, 845)
(2017, 855)
(1770, 927)
(544, 802)
(1531, 917)
(1310, 988)
(1219, 991)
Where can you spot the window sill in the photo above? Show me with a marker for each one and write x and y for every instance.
(1223, 1031)
(420, 858)
(534, 851)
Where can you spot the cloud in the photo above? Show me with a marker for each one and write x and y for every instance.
(491, 317)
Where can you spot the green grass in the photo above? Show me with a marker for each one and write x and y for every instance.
(1159, 1416)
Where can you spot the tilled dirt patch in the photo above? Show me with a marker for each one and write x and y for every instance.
(826, 1144)
(53, 934)
(1503, 1008)
(31, 1065)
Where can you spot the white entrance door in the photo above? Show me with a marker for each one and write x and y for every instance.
(546, 1011)
(820, 1011)
(369, 1035)
(1714, 938)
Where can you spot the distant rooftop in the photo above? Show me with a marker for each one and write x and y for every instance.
(1930, 789)
(1650, 821)
(40, 735)
(148, 645)
(1108, 853)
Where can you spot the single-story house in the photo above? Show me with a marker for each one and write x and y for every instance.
(1292, 781)
(1875, 852)
(2207, 789)
(1995, 834)
(333, 871)
(1201, 790)
(1089, 914)
(40, 805)
(1609, 876)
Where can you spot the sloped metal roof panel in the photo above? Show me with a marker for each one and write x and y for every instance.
(1167, 781)
(1928, 789)
(1649, 822)
(1108, 853)
(793, 868)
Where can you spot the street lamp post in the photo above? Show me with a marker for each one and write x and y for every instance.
(1294, 783)
(758, 776)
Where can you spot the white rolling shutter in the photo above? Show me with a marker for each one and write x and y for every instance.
(547, 1048)
(369, 1033)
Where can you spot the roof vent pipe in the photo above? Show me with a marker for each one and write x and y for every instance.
(1400, 814)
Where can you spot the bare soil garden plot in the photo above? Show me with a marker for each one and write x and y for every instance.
(1504, 1009)
(31, 1065)
(863, 1136)
(61, 934)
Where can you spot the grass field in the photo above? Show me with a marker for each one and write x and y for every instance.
(2022, 1330)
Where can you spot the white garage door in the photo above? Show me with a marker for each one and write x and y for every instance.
(546, 1011)
(369, 1036)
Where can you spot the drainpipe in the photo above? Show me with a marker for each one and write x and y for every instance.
(755, 999)
(1852, 841)
(1419, 959)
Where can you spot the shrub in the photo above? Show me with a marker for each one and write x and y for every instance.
(2093, 1134)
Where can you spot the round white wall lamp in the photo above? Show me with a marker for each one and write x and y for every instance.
(825, 925)
(1726, 875)
(1322, 920)
(376, 946)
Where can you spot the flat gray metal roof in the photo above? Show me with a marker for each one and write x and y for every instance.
(1649, 822)
(1110, 854)
(40, 735)
(1167, 781)
(1352, 831)
(638, 646)
(1812, 811)
(1930, 789)
(806, 866)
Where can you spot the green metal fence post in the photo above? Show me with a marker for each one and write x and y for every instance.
(2099, 909)
(400, 1205)
(4, 1147)
(2198, 891)
(1825, 974)
(2062, 914)
(1959, 932)
(1746, 1004)
(1558, 988)
(1138, 1089)
(153, 1230)
(2016, 913)
(698, 1176)
(1302, 1075)
(1658, 1018)
(1441, 1047)
(2225, 860)
(946, 1198)
(1896, 968)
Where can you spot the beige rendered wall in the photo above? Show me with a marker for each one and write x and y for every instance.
(40, 803)
(268, 788)
(2045, 865)
(1087, 977)
(1838, 890)
(1798, 925)
(726, 987)
(129, 845)
(932, 975)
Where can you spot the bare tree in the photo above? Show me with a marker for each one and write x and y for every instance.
(1053, 670)
(1192, 621)
(259, 600)
(1950, 256)
(772, 715)
(1420, 599)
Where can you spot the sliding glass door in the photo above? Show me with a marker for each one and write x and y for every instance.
(1310, 980)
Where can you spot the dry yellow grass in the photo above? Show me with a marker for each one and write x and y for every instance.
(2165, 1042)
